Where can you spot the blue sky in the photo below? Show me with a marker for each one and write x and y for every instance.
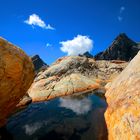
(98, 20)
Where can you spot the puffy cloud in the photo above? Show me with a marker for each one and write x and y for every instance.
(35, 20)
(81, 106)
(78, 45)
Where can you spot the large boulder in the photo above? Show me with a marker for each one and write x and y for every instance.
(16, 76)
(122, 48)
(73, 74)
(123, 97)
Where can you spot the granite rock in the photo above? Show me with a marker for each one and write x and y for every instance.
(16, 76)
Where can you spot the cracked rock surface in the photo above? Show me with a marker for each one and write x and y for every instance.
(123, 97)
(73, 74)
(16, 76)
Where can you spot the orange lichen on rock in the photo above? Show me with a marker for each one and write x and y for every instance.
(16, 76)
(123, 98)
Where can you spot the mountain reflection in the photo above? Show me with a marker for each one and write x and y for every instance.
(79, 106)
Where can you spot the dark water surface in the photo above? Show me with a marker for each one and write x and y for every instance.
(70, 118)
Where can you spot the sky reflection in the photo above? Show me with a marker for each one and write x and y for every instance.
(79, 106)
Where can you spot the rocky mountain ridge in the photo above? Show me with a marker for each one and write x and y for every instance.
(122, 48)
(39, 64)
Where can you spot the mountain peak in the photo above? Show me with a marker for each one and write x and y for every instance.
(87, 54)
(122, 48)
(122, 35)
(38, 62)
(123, 38)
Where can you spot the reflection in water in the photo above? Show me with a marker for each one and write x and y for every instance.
(32, 128)
(78, 106)
(69, 118)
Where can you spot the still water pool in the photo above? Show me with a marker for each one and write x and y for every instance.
(69, 118)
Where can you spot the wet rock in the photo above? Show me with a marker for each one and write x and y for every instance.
(123, 98)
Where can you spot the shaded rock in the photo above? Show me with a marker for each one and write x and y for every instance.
(122, 48)
(26, 99)
(73, 74)
(39, 64)
(16, 76)
(123, 98)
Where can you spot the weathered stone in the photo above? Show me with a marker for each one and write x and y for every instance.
(67, 85)
(73, 74)
(123, 98)
(16, 76)
(25, 100)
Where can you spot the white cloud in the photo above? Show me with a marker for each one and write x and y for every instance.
(50, 27)
(35, 20)
(78, 45)
(78, 106)
(48, 45)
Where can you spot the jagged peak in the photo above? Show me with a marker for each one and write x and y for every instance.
(122, 48)
(124, 37)
(87, 54)
(38, 62)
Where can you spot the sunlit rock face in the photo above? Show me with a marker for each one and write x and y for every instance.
(25, 100)
(73, 74)
(16, 76)
(123, 98)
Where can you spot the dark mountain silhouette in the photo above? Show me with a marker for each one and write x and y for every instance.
(122, 48)
(87, 54)
(38, 63)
